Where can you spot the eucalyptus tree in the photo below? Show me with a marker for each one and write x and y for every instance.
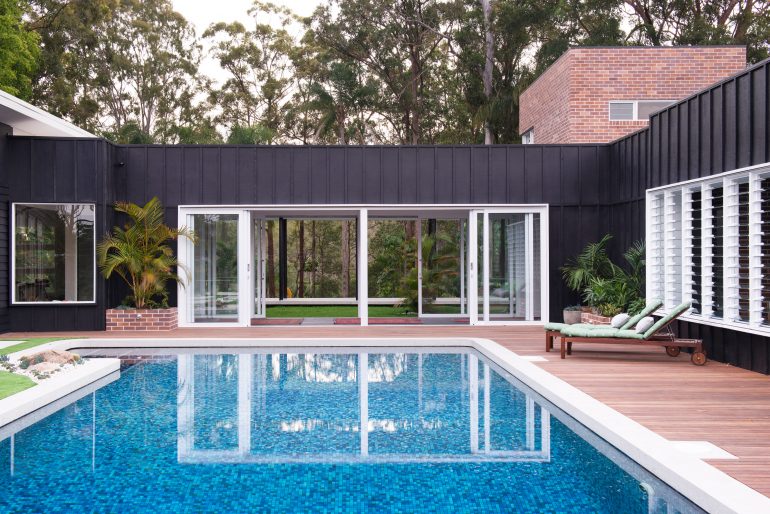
(256, 59)
(395, 41)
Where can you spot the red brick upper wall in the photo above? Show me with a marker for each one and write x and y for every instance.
(569, 102)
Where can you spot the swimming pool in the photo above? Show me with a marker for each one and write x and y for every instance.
(280, 430)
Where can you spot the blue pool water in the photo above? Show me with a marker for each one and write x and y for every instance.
(184, 432)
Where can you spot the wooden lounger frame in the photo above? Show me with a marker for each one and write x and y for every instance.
(665, 337)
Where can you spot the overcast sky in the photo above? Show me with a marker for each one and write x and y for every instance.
(202, 13)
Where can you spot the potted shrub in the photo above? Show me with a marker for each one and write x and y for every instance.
(139, 254)
(572, 314)
(606, 287)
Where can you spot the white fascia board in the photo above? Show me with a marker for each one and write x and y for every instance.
(27, 120)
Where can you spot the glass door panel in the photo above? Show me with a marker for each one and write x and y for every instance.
(508, 280)
(442, 260)
(258, 252)
(215, 268)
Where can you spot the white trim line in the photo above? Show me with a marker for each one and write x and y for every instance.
(705, 485)
(712, 178)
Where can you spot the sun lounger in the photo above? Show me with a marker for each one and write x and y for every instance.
(654, 336)
(553, 330)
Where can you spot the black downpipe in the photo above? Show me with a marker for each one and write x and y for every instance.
(283, 258)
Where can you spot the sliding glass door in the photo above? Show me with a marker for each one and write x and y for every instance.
(506, 266)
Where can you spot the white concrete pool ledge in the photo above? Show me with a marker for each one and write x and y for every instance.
(705, 485)
(54, 388)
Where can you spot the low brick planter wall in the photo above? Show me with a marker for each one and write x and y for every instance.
(121, 320)
(594, 319)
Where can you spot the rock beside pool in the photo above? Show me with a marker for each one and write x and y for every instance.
(48, 360)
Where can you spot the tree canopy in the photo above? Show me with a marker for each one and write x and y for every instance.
(355, 71)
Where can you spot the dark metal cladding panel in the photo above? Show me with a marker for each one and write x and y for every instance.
(300, 176)
(444, 174)
(390, 172)
(354, 175)
(135, 173)
(744, 113)
(228, 175)
(373, 176)
(282, 172)
(533, 176)
(266, 175)
(479, 174)
(426, 175)
(337, 180)
(730, 136)
(498, 173)
(65, 179)
(155, 175)
(517, 192)
(172, 187)
(247, 175)
(211, 159)
(706, 143)
(759, 116)
(43, 170)
(589, 180)
(570, 176)
(693, 137)
(408, 170)
(192, 178)
(461, 175)
(674, 171)
(717, 131)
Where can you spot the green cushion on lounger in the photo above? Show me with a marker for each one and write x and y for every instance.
(562, 326)
(673, 313)
(602, 332)
(651, 307)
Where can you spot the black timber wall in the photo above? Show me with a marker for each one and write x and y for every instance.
(5, 132)
(569, 178)
(722, 128)
(61, 170)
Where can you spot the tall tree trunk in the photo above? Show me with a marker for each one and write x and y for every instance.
(301, 263)
(489, 54)
(345, 259)
(314, 272)
(270, 260)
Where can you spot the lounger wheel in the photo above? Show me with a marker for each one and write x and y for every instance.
(698, 358)
(673, 351)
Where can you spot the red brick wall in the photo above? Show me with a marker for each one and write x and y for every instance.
(544, 106)
(595, 76)
(141, 319)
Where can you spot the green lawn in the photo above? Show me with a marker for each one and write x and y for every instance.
(334, 311)
(29, 343)
(11, 383)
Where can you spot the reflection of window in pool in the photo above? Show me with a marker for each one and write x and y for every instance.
(54, 253)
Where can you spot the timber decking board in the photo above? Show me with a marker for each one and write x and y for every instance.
(725, 405)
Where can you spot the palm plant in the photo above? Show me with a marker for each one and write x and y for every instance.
(139, 253)
(591, 264)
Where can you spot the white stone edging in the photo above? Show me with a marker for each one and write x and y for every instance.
(705, 485)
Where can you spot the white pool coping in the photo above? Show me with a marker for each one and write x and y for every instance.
(54, 388)
(705, 485)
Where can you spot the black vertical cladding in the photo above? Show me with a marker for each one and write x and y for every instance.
(99, 172)
(728, 127)
(5, 167)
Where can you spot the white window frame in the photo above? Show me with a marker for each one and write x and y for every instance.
(13, 255)
(528, 137)
(727, 181)
(635, 107)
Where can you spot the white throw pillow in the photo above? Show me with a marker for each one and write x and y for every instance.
(619, 320)
(644, 324)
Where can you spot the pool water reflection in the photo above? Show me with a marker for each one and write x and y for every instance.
(343, 430)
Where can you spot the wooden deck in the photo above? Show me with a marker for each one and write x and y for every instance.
(728, 406)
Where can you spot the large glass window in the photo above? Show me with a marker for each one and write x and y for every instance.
(721, 264)
(54, 253)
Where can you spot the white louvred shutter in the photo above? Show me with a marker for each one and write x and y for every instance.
(654, 259)
(692, 248)
(713, 291)
(672, 244)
